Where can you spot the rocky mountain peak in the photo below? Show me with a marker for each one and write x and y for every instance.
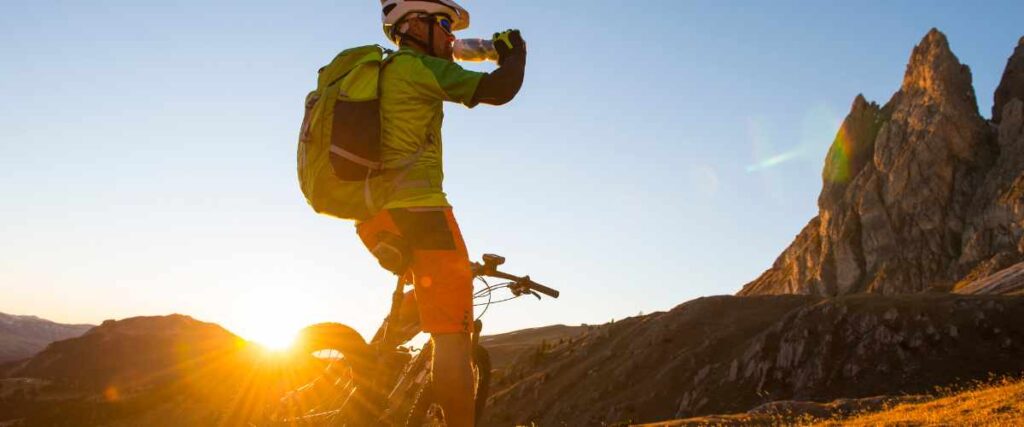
(1012, 84)
(918, 194)
(935, 72)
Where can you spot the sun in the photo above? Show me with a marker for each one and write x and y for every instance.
(267, 319)
(274, 336)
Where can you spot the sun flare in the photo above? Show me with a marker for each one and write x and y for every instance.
(274, 337)
(266, 318)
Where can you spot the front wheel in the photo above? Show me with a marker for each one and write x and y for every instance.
(426, 411)
(348, 372)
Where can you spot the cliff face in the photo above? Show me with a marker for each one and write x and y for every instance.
(919, 194)
(1012, 85)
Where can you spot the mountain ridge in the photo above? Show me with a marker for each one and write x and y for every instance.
(151, 370)
(22, 336)
(130, 352)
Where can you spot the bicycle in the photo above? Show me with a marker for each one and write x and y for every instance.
(382, 382)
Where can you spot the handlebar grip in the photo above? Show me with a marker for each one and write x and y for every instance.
(542, 289)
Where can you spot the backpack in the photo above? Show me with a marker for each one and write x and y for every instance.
(339, 163)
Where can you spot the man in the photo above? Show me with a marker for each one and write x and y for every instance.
(414, 83)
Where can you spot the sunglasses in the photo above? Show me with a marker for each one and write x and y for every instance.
(444, 22)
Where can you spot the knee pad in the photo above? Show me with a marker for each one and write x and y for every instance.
(392, 252)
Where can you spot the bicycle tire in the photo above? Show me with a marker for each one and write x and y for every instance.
(343, 339)
(333, 336)
(356, 354)
(483, 381)
(425, 399)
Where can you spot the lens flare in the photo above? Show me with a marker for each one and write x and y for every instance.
(837, 166)
(774, 160)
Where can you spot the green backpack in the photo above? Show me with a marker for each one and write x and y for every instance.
(339, 143)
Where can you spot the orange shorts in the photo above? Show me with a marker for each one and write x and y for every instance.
(440, 269)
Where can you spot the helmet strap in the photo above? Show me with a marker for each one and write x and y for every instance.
(427, 47)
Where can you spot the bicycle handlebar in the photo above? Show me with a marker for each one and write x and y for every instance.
(553, 293)
(491, 270)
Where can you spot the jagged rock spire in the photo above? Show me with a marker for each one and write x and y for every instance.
(1012, 84)
(935, 72)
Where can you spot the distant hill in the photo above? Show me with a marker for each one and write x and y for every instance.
(23, 336)
(506, 348)
(130, 352)
(160, 370)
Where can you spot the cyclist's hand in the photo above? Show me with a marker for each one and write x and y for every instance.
(508, 44)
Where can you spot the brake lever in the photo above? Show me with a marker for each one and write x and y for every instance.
(516, 289)
(519, 290)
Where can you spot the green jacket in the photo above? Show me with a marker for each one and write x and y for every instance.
(413, 88)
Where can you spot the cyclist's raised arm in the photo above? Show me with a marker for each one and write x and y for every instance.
(500, 86)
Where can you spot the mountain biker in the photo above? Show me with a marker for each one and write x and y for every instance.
(417, 79)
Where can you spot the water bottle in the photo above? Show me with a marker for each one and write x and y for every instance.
(474, 50)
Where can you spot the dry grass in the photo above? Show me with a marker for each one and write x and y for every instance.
(996, 403)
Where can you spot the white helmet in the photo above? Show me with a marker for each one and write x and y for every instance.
(392, 12)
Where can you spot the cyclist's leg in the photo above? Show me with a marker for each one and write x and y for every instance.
(453, 378)
(440, 267)
(444, 293)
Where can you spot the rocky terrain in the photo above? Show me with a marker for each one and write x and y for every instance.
(23, 336)
(919, 194)
(721, 355)
(1008, 281)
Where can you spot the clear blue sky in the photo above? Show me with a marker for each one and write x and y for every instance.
(658, 151)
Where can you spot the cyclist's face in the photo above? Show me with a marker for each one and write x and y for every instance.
(442, 39)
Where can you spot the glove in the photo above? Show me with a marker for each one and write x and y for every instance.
(508, 44)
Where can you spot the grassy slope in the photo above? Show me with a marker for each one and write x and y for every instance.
(1000, 403)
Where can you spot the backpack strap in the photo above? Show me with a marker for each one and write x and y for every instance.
(406, 164)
